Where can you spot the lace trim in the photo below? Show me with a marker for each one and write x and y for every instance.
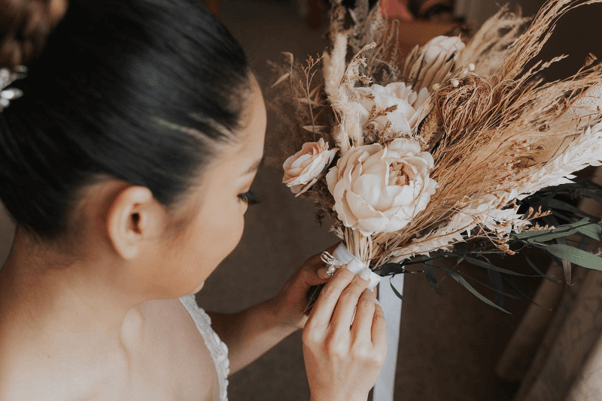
(217, 348)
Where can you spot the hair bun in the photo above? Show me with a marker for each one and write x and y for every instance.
(25, 26)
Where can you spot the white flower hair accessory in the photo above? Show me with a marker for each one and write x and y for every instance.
(7, 77)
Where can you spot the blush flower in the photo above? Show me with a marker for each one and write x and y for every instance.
(303, 169)
(405, 101)
(379, 188)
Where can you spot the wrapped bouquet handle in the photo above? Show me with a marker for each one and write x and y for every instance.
(391, 304)
(344, 257)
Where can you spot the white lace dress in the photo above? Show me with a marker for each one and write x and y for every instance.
(217, 348)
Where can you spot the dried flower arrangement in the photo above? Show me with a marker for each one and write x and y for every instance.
(455, 150)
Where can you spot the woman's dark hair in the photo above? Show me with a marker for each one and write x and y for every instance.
(138, 90)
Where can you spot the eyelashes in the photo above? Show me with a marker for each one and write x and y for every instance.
(250, 198)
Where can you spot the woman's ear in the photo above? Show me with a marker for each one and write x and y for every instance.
(134, 218)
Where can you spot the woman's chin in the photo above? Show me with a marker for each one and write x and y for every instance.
(198, 288)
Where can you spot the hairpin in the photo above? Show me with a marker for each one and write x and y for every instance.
(7, 77)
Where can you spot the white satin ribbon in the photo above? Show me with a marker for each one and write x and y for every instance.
(358, 267)
(391, 304)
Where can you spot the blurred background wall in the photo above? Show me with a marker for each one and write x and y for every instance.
(449, 344)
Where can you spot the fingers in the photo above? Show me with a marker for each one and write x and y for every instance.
(364, 316)
(379, 326)
(343, 315)
(323, 274)
(315, 271)
(327, 301)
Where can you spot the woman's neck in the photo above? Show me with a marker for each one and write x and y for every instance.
(64, 309)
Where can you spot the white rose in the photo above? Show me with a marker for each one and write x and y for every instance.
(447, 45)
(381, 189)
(398, 94)
(302, 169)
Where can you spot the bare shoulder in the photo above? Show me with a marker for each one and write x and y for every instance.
(184, 350)
(166, 360)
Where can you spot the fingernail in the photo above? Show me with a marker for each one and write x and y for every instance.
(322, 273)
(365, 274)
(354, 266)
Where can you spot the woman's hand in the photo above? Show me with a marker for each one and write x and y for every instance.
(290, 304)
(344, 355)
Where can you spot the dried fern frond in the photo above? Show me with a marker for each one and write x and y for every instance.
(528, 45)
(487, 48)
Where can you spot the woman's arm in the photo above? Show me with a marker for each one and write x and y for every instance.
(250, 333)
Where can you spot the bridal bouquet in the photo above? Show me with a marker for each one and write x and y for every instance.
(458, 149)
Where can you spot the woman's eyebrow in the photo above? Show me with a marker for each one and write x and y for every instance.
(256, 165)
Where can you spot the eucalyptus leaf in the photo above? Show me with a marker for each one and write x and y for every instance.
(502, 293)
(560, 205)
(539, 271)
(397, 293)
(593, 194)
(429, 273)
(465, 284)
(489, 266)
(575, 255)
(560, 231)
(566, 265)
(389, 269)
(592, 230)
(553, 235)
(495, 278)
(519, 292)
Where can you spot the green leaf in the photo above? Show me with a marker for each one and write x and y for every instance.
(465, 284)
(503, 293)
(389, 269)
(566, 265)
(593, 231)
(575, 255)
(542, 274)
(495, 278)
(591, 193)
(429, 273)
(554, 234)
(397, 293)
(489, 266)
(526, 235)
(561, 231)
(519, 292)
(557, 204)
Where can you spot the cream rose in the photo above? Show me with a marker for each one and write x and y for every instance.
(447, 45)
(398, 94)
(381, 189)
(302, 169)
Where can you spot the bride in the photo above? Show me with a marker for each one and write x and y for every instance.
(127, 150)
